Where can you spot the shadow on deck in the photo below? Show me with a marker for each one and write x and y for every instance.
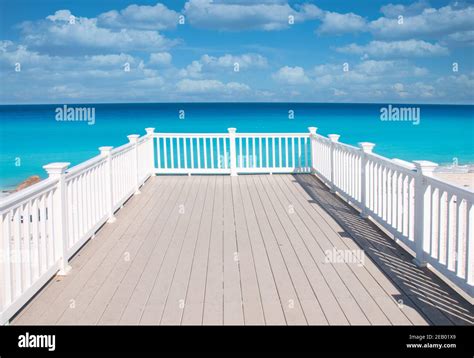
(422, 289)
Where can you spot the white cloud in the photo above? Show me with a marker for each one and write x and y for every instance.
(57, 34)
(210, 86)
(334, 23)
(154, 82)
(399, 89)
(228, 61)
(430, 23)
(157, 17)
(367, 80)
(61, 15)
(192, 70)
(408, 48)
(338, 92)
(11, 53)
(246, 15)
(448, 25)
(160, 58)
(111, 60)
(462, 38)
(291, 75)
(393, 11)
(209, 64)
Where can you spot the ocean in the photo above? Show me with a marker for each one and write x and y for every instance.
(31, 136)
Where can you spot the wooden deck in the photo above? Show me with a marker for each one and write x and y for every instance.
(242, 250)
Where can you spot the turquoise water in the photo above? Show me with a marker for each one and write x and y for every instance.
(30, 136)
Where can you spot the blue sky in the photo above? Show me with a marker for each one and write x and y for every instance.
(87, 51)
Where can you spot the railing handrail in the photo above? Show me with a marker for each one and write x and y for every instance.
(16, 199)
(83, 167)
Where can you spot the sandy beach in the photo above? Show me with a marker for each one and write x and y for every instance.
(465, 180)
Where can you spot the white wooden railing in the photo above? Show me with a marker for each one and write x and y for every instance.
(44, 225)
(232, 153)
(431, 217)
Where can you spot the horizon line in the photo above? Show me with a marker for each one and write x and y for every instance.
(243, 102)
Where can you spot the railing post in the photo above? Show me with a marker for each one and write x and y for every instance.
(334, 139)
(107, 153)
(150, 132)
(422, 210)
(133, 138)
(366, 149)
(57, 171)
(233, 156)
(312, 138)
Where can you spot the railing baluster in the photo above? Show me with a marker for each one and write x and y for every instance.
(192, 152)
(280, 161)
(6, 263)
(34, 240)
(198, 152)
(205, 151)
(253, 153)
(211, 143)
(219, 156)
(17, 250)
(266, 152)
(26, 239)
(172, 164)
(158, 152)
(178, 152)
(470, 244)
(44, 261)
(293, 155)
(460, 239)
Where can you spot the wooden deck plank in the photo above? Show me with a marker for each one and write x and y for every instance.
(233, 310)
(41, 303)
(381, 288)
(125, 289)
(323, 293)
(195, 292)
(214, 292)
(162, 232)
(155, 304)
(176, 300)
(272, 308)
(91, 297)
(251, 300)
(69, 300)
(288, 295)
(318, 245)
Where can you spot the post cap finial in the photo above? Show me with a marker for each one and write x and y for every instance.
(133, 137)
(56, 168)
(366, 147)
(312, 130)
(150, 130)
(232, 130)
(425, 167)
(105, 150)
(334, 137)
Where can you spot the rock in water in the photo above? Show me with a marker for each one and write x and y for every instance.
(28, 182)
